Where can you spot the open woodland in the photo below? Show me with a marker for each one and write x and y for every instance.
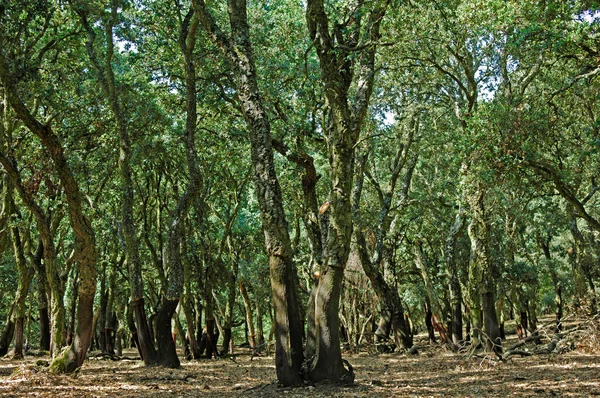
(319, 197)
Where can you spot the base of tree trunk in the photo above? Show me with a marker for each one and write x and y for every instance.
(142, 336)
(44, 330)
(18, 351)
(167, 353)
(6, 338)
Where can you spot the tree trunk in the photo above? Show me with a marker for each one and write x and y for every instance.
(483, 306)
(288, 351)
(106, 80)
(167, 356)
(227, 346)
(428, 323)
(167, 353)
(25, 274)
(249, 316)
(187, 304)
(72, 310)
(260, 338)
(7, 334)
(452, 271)
(347, 117)
(42, 297)
(85, 248)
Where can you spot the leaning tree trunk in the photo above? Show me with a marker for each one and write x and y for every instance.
(237, 48)
(25, 275)
(558, 300)
(249, 315)
(85, 247)
(106, 80)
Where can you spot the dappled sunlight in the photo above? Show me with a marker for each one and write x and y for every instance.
(434, 372)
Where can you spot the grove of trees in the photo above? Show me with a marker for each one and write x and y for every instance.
(316, 175)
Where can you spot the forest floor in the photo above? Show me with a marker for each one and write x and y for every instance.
(434, 372)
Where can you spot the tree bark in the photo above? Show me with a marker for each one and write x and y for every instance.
(106, 80)
(483, 307)
(249, 316)
(85, 247)
(238, 50)
(337, 65)
(454, 282)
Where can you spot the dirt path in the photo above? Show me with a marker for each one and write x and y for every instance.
(433, 372)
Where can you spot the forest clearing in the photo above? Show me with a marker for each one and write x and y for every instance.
(433, 372)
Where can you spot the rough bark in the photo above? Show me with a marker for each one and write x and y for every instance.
(52, 276)
(238, 50)
(42, 297)
(453, 280)
(85, 247)
(338, 62)
(167, 356)
(482, 288)
(106, 80)
(25, 274)
(249, 315)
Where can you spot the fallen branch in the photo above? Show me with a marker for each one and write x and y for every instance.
(535, 337)
(510, 353)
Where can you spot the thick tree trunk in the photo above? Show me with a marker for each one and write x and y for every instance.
(288, 352)
(7, 334)
(19, 331)
(167, 353)
(25, 276)
(337, 70)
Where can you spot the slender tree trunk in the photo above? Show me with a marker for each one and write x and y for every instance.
(483, 306)
(167, 355)
(249, 315)
(42, 297)
(187, 304)
(72, 309)
(227, 346)
(260, 338)
(454, 282)
(106, 80)
(575, 257)
(25, 274)
(433, 306)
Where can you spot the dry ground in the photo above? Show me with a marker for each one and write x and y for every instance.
(434, 372)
